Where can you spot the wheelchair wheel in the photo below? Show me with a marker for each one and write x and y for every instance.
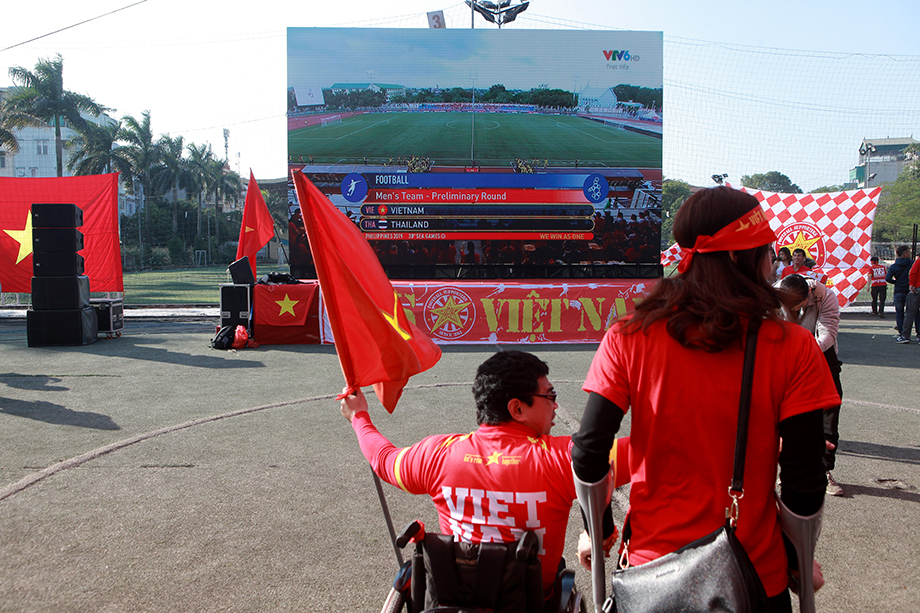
(576, 603)
(393, 603)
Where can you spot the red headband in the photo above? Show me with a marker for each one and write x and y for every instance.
(749, 231)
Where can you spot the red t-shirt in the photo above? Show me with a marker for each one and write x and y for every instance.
(490, 485)
(684, 418)
(914, 274)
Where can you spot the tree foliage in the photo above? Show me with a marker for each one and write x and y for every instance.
(898, 209)
(496, 94)
(39, 98)
(772, 181)
(673, 194)
(351, 100)
(96, 151)
(8, 140)
(646, 96)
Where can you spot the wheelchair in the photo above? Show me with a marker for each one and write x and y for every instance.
(445, 576)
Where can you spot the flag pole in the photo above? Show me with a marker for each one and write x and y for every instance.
(386, 515)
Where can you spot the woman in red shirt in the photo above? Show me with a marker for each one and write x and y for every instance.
(676, 364)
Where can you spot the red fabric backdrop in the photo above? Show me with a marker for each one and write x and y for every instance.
(97, 195)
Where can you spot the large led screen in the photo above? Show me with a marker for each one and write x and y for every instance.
(508, 152)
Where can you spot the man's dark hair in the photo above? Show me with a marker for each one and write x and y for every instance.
(802, 251)
(874, 258)
(506, 375)
(902, 250)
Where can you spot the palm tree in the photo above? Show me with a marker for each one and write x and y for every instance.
(223, 183)
(144, 154)
(97, 151)
(199, 157)
(172, 173)
(8, 140)
(40, 99)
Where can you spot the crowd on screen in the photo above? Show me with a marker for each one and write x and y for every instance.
(622, 237)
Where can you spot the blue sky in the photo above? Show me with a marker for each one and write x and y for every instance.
(200, 67)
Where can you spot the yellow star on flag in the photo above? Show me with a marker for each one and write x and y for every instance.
(287, 305)
(449, 313)
(493, 459)
(24, 238)
(248, 229)
(393, 320)
(803, 243)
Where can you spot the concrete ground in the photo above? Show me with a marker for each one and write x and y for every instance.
(152, 473)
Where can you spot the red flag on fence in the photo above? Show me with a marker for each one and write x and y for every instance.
(376, 343)
(96, 195)
(257, 228)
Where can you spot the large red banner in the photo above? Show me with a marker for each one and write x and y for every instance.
(96, 195)
(497, 312)
(834, 229)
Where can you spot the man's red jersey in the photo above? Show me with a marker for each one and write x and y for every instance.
(490, 485)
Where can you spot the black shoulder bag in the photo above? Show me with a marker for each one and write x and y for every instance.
(713, 573)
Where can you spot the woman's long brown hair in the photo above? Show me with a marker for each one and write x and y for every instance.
(708, 305)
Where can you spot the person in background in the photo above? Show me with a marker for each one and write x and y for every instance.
(818, 311)
(783, 259)
(799, 265)
(898, 274)
(878, 286)
(912, 304)
(676, 364)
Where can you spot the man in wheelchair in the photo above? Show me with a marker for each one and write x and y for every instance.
(508, 477)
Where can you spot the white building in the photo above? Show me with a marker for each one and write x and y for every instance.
(881, 160)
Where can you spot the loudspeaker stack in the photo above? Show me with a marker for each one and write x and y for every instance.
(61, 312)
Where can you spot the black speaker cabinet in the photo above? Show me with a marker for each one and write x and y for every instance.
(241, 272)
(235, 301)
(58, 328)
(56, 240)
(57, 264)
(56, 216)
(60, 293)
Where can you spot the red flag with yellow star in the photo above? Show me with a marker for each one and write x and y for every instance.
(257, 228)
(283, 304)
(375, 341)
(97, 195)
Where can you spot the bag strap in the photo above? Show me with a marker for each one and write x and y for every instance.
(744, 407)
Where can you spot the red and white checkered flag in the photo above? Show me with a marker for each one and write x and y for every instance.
(834, 229)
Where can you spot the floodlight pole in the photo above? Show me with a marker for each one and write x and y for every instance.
(473, 123)
(866, 149)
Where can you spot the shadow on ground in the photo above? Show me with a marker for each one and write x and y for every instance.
(51, 413)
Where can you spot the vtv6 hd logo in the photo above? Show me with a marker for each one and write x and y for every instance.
(620, 56)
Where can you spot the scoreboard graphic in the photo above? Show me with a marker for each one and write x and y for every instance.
(483, 153)
(451, 206)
